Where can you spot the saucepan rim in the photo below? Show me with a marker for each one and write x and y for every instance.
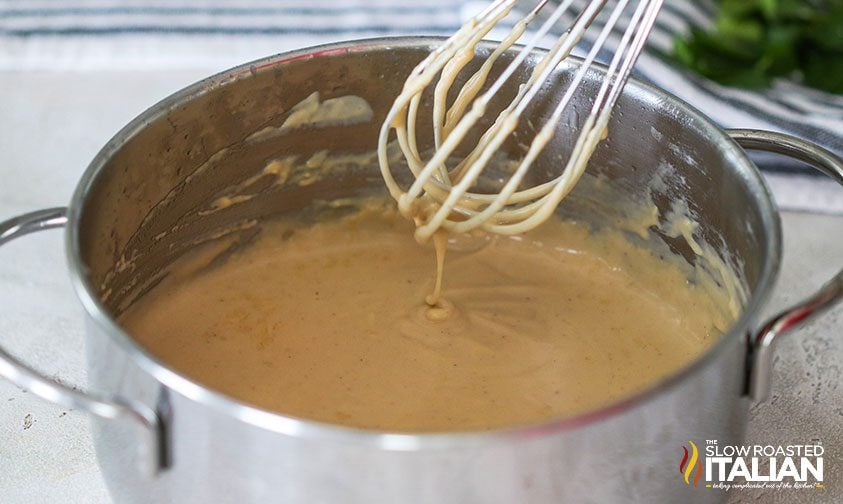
(272, 421)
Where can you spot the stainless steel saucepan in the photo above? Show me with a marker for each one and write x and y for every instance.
(161, 437)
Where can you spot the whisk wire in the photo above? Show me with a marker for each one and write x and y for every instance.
(443, 152)
(445, 193)
(541, 140)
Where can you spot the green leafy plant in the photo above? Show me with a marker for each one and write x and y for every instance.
(755, 41)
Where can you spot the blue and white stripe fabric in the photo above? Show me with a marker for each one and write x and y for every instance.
(160, 34)
(786, 106)
(82, 35)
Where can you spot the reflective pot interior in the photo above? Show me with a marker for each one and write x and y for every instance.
(145, 203)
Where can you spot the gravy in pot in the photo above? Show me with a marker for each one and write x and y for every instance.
(329, 323)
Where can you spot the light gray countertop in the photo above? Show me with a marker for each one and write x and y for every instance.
(52, 124)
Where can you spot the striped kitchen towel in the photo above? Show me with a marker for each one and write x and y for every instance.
(786, 106)
(82, 35)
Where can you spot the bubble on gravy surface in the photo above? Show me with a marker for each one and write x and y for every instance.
(328, 321)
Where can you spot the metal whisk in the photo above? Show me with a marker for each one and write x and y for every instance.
(445, 198)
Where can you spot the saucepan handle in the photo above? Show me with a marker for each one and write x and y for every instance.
(764, 340)
(27, 378)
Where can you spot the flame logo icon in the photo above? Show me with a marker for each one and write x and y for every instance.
(686, 470)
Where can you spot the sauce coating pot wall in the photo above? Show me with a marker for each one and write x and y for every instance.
(162, 438)
(195, 149)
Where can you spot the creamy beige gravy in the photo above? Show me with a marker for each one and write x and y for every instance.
(329, 323)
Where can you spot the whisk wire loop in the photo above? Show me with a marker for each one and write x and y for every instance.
(443, 198)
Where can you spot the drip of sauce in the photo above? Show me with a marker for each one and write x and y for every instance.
(440, 244)
(431, 201)
(327, 322)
